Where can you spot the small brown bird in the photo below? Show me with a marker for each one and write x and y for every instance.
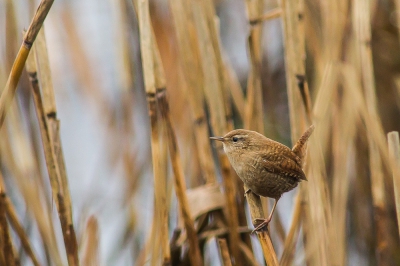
(268, 168)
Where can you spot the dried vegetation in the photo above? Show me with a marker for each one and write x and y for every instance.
(339, 70)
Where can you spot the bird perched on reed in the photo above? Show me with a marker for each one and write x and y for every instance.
(268, 168)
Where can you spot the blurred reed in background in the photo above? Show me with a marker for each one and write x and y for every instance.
(105, 153)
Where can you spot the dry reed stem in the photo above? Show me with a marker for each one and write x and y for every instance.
(160, 84)
(299, 112)
(166, 251)
(256, 211)
(160, 165)
(90, 256)
(290, 241)
(49, 130)
(253, 108)
(49, 106)
(6, 246)
(212, 84)
(318, 213)
(294, 65)
(342, 147)
(394, 153)
(31, 191)
(224, 252)
(12, 216)
(187, 44)
(180, 186)
(11, 30)
(235, 90)
(271, 14)
(397, 8)
(126, 66)
(254, 118)
(8, 93)
(230, 193)
(362, 28)
(151, 78)
(214, 90)
(248, 254)
(42, 59)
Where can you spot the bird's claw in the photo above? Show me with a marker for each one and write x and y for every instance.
(264, 223)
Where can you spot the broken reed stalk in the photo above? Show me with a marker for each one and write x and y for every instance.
(11, 86)
(6, 246)
(52, 150)
(224, 252)
(394, 153)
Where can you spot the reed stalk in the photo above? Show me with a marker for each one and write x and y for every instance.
(6, 246)
(224, 252)
(16, 225)
(180, 185)
(215, 89)
(8, 93)
(149, 72)
(91, 253)
(187, 44)
(394, 153)
(256, 211)
(49, 128)
(362, 28)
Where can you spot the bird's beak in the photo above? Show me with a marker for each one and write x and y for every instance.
(217, 138)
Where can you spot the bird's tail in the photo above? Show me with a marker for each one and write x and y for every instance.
(300, 147)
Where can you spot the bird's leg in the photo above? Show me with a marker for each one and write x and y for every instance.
(265, 222)
(247, 191)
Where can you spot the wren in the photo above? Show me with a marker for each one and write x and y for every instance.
(268, 168)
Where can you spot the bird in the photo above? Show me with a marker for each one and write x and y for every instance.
(267, 167)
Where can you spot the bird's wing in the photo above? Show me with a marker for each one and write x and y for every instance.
(280, 163)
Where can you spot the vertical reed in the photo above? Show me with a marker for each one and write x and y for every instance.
(394, 153)
(8, 93)
(339, 61)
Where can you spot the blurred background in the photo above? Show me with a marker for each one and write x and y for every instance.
(335, 64)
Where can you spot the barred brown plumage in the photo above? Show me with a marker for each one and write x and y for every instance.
(268, 168)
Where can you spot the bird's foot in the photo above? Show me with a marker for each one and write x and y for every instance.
(264, 223)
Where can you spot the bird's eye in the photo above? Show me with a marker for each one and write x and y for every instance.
(235, 139)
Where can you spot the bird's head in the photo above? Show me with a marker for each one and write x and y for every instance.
(239, 140)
